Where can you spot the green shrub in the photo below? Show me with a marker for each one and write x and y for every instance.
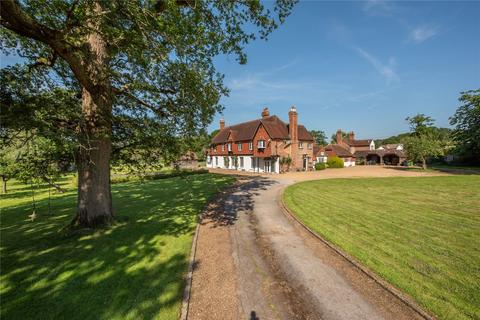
(320, 166)
(335, 162)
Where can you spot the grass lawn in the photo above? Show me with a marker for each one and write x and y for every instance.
(133, 270)
(420, 234)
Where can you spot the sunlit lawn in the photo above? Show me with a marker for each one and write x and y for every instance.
(133, 270)
(421, 234)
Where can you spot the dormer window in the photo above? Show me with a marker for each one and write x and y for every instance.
(261, 144)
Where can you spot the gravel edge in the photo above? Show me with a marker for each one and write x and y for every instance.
(188, 285)
(384, 284)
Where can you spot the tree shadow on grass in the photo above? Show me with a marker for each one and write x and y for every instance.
(131, 270)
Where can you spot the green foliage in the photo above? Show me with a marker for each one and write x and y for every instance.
(320, 166)
(425, 141)
(134, 79)
(136, 266)
(392, 140)
(406, 237)
(286, 160)
(467, 126)
(419, 148)
(335, 162)
(319, 136)
(420, 123)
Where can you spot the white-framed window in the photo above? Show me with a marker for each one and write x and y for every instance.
(261, 144)
(300, 145)
(223, 147)
(229, 146)
(216, 161)
(241, 162)
(239, 146)
(309, 145)
(250, 145)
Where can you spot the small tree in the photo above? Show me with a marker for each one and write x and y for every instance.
(7, 168)
(319, 136)
(420, 148)
(467, 126)
(425, 141)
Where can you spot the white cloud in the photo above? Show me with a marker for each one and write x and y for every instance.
(379, 7)
(422, 33)
(386, 70)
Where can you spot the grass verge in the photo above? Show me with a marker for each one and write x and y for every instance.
(420, 234)
(132, 270)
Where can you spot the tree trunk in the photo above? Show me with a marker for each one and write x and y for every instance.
(424, 164)
(4, 185)
(94, 206)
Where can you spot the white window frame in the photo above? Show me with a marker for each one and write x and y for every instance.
(300, 145)
(261, 144)
(250, 145)
(309, 145)
(229, 146)
(223, 147)
(239, 146)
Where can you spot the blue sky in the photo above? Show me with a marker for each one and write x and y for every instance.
(362, 66)
(357, 65)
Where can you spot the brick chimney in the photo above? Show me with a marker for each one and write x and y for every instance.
(222, 124)
(351, 136)
(265, 113)
(339, 136)
(293, 124)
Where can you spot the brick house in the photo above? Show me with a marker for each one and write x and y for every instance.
(354, 151)
(259, 145)
(347, 149)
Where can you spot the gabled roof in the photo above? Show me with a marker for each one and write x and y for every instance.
(317, 150)
(303, 133)
(276, 129)
(339, 150)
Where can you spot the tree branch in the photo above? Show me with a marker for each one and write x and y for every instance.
(125, 92)
(14, 18)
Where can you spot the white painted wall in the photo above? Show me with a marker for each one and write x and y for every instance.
(348, 163)
(248, 164)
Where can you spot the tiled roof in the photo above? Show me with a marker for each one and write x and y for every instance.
(317, 150)
(359, 143)
(276, 128)
(303, 134)
(338, 150)
(382, 153)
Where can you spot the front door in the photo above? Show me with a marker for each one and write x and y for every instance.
(267, 166)
(305, 164)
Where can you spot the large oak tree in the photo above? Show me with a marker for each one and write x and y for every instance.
(147, 64)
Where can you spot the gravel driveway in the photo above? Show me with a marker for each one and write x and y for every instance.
(253, 262)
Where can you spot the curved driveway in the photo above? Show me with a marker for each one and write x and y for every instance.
(267, 267)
